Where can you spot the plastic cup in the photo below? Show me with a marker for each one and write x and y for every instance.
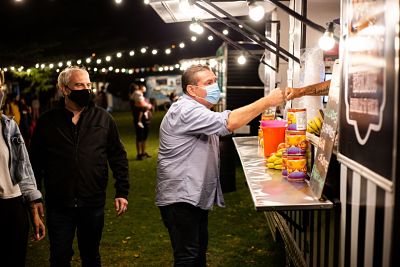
(273, 135)
(273, 123)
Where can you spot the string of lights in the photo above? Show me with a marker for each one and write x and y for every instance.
(103, 63)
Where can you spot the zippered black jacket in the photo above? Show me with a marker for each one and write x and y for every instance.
(72, 160)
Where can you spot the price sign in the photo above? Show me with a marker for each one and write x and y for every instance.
(327, 136)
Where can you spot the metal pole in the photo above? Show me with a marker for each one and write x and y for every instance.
(297, 16)
(234, 44)
(261, 37)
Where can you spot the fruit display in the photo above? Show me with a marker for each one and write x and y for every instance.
(315, 124)
(275, 160)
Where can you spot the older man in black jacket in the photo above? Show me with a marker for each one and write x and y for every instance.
(71, 148)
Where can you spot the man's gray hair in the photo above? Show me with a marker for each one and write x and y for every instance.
(65, 75)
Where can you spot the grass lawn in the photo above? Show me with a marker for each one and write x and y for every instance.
(238, 235)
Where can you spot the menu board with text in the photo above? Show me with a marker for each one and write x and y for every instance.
(367, 102)
(327, 135)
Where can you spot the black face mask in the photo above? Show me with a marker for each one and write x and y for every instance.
(80, 97)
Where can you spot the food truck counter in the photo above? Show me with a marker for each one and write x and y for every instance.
(268, 189)
(308, 226)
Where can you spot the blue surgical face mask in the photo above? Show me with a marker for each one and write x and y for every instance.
(213, 93)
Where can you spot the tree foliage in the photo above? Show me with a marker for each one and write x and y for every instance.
(36, 80)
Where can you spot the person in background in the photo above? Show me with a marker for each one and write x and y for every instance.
(318, 89)
(141, 120)
(101, 98)
(142, 106)
(71, 149)
(35, 108)
(11, 107)
(188, 182)
(17, 191)
(173, 97)
(26, 119)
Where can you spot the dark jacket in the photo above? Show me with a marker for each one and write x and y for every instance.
(72, 159)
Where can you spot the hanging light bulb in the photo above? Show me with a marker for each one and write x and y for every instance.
(241, 60)
(196, 27)
(327, 41)
(146, 2)
(256, 11)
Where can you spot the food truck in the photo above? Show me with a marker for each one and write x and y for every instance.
(344, 210)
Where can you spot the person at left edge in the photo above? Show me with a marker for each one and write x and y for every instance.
(71, 147)
(17, 190)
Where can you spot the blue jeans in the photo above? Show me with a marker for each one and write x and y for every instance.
(62, 223)
(188, 230)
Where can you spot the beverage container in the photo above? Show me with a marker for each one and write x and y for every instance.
(297, 119)
(273, 135)
(284, 165)
(260, 137)
(268, 114)
(296, 168)
(296, 142)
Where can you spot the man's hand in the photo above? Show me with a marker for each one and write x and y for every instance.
(37, 214)
(121, 205)
(276, 97)
(292, 93)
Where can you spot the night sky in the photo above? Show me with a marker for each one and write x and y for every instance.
(36, 31)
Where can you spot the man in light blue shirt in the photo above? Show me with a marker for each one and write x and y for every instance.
(188, 182)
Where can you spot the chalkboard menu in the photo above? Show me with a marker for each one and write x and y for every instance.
(367, 123)
(327, 135)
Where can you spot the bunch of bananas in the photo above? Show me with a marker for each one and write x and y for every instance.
(275, 160)
(314, 125)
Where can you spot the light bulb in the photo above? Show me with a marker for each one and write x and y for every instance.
(241, 59)
(196, 27)
(326, 42)
(256, 12)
